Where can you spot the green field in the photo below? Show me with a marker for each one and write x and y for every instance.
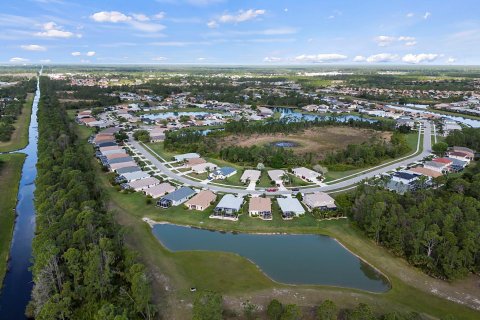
(10, 173)
(19, 138)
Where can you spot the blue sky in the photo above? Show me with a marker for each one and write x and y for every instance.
(274, 32)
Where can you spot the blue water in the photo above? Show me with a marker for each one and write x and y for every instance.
(18, 283)
(290, 115)
(291, 259)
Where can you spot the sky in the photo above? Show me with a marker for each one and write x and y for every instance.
(240, 32)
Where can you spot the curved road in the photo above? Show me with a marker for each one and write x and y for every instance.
(337, 186)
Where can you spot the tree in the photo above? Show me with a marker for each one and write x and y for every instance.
(260, 166)
(274, 310)
(327, 310)
(207, 306)
(440, 148)
(291, 312)
(142, 135)
(361, 312)
(249, 309)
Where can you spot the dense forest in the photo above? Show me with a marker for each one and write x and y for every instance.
(367, 154)
(437, 230)
(81, 267)
(12, 100)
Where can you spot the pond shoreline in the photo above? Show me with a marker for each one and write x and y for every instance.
(152, 223)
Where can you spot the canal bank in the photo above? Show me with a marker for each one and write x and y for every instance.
(18, 283)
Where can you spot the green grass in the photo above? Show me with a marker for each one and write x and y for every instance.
(265, 180)
(19, 138)
(10, 173)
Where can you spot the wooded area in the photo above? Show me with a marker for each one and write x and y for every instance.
(81, 269)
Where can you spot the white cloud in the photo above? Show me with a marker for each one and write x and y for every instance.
(159, 59)
(272, 59)
(404, 38)
(18, 60)
(140, 17)
(138, 21)
(419, 58)
(279, 31)
(52, 30)
(90, 53)
(410, 15)
(410, 43)
(451, 60)
(427, 15)
(110, 16)
(45, 61)
(212, 24)
(76, 53)
(33, 47)
(320, 58)
(384, 41)
(382, 57)
(201, 59)
(359, 59)
(241, 16)
(159, 15)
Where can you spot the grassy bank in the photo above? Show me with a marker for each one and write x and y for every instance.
(10, 173)
(19, 138)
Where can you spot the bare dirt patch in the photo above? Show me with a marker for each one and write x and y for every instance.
(318, 141)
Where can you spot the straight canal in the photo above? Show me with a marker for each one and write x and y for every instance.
(18, 283)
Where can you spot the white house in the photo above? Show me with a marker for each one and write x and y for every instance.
(290, 208)
(306, 174)
(204, 167)
(319, 200)
(250, 176)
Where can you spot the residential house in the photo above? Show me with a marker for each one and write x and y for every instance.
(228, 207)
(261, 207)
(133, 176)
(436, 166)
(276, 176)
(307, 174)
(142, 184)
(176, 198)
(116, 166)
(128, 170)
(468, 151)
(426, 172)
(125, 158)
(463, 156)
(194, 161)
(186, 156)
(404, 177)
(290, 208)
(159, 190)
(201, 201)
(204, 167)
(250, 176)
(223, 173)
(319, 200)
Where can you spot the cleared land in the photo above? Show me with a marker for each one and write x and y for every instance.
(318, 141)
(10, 173)
(19, 138)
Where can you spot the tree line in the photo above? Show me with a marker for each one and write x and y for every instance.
(369, 153)
(437, 230)
(81, 267)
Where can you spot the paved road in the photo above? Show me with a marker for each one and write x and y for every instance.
(344, 184)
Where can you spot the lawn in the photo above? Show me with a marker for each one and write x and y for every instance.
(19, 138)
(238, 279)
(10, 173)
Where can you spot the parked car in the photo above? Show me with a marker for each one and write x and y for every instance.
(272, 189)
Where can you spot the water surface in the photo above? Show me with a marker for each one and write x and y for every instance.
(291, 259)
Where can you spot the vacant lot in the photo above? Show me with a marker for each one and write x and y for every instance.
(318, 141)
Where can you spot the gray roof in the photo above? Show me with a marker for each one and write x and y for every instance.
(135, 176)
(229, 201)
(120, 160)
(180, 194)
(290, 205)
(128, 170)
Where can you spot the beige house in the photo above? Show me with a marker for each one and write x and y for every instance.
(306, 174)
(204, 167)
(201, 201)
(159, 190)
(260, 207)
(319, 200)
(250, 176)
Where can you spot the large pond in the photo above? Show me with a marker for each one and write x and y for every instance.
(290, 115)
(18, 280)
(285, 144)
(291, 259)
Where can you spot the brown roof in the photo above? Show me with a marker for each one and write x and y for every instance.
(426, 172)
(195, 161)
(203, 198)
(260, 204)
(116, 155)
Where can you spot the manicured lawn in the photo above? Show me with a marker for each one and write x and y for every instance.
(264, 181)
(19, 138)
(10, 173)
(158, 148)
